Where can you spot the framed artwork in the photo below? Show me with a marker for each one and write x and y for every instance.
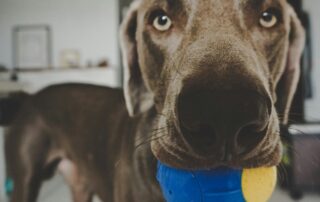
(32, 47)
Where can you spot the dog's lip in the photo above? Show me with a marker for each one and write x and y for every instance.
(180, 157)
(184, 163)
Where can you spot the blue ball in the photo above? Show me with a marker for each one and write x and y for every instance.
(216, 185)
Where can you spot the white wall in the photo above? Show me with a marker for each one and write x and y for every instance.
(313, 106)
(87, 25)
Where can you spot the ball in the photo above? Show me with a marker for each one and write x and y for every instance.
(221, 184)
(258, 184)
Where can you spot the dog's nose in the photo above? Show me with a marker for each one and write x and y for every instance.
(223, 122)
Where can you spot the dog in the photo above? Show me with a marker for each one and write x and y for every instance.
(206, 84)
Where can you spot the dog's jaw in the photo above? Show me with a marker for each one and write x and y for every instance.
(174, 156)
(170, 148)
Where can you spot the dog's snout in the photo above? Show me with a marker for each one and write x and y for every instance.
(223, 122)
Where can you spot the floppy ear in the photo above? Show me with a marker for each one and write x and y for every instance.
(138, 98)
(288, 83)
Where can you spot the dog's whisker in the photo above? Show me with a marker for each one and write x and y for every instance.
(147, 142)
(153, 132)
(162, 115)
(282, 173)
(154, 136)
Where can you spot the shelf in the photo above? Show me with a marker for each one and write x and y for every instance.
(32, 82)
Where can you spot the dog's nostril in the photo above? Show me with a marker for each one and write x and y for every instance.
(249, 137)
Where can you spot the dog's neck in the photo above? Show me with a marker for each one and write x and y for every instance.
(136, 165)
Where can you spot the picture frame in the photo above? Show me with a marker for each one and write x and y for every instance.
(32, 47)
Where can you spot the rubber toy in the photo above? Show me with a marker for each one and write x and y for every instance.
(217, 185)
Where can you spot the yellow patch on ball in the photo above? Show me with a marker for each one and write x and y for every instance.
(258, 184)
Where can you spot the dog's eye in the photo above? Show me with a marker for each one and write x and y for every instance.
(162, 22)
(269, 18)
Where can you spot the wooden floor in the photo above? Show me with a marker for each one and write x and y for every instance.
(56, 190)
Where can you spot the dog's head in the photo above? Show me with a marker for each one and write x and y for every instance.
(212, 70)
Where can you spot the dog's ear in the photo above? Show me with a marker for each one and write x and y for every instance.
(138, 98)
(290, 78)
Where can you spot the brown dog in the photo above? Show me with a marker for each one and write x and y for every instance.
(201, 83)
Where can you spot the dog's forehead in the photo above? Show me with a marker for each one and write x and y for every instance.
(211, 14)
(194, 4)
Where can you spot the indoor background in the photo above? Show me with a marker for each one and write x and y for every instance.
(77, 41)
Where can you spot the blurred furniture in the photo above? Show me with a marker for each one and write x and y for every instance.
(300, 169)
(7, 86)
(33, 81)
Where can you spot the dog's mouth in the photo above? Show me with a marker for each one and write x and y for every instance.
(174, 150)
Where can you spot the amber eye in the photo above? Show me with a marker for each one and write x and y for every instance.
(162, 22)
(269, 18)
